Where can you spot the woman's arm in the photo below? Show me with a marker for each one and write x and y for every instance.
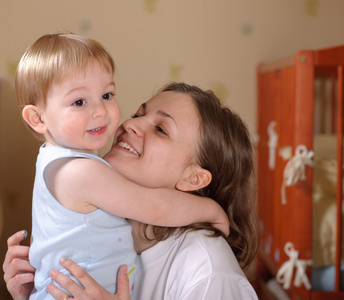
(19, 274)
(92, 290)
(84, 184)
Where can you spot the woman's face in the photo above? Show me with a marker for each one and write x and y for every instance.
(157, 147)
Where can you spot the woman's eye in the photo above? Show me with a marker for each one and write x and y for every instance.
(159, 129)
(107, 96)
(134, 116)
(79, 102)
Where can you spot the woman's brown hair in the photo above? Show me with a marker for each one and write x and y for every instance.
(226, 151)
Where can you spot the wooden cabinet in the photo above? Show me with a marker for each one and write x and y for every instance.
(288, 115)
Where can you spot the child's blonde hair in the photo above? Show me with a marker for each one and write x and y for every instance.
(50, 59)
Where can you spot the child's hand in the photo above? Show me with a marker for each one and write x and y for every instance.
(222, 222)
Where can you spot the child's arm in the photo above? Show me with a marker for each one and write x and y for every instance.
(83, 185)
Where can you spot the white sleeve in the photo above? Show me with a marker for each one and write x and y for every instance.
(221, 287)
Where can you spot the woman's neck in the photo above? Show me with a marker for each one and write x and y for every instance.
(140, 242)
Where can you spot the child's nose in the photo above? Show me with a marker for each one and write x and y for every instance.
(99, 110)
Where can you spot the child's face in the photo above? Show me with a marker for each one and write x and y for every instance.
(162, 137)
(81, 112)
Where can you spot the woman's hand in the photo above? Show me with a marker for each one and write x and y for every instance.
(19, 274)
(92, 290)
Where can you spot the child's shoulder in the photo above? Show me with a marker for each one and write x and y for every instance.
(52, 153)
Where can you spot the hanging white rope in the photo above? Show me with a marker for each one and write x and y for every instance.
(285, 272)
(295, 169)
(272, 144)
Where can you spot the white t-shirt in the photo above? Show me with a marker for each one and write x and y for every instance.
(192, 267)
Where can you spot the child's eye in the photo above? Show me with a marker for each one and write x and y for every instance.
(107, 96)
(135, 116)
(79, 102)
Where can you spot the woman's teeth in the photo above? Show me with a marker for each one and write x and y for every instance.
(126, 146)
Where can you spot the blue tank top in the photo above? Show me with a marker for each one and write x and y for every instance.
(99, 241)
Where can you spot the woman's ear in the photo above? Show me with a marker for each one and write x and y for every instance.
(32, 116)
(196, 179)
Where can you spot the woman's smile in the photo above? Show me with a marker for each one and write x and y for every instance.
(128, 147)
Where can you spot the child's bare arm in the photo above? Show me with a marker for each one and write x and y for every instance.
(84, 185)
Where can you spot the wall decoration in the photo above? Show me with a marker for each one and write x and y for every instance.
(286, 271)
(85, 26)
(272, 144)
(150, 5)
(11, 66)
(295, 169)
(175, 71)
(246, 29)
(220, 90)
(311, 7)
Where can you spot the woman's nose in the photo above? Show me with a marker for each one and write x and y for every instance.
(133, 126)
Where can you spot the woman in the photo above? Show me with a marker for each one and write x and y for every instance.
(188, 141)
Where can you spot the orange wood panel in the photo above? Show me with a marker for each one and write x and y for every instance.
(339, 192)
(327, 295)
(286, 95)
(303, 135)
(331, 56)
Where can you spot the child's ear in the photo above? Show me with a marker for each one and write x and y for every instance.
(32, 116)
(196, 179)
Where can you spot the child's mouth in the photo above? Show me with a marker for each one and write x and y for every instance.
(97, 131)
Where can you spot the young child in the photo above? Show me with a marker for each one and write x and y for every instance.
(65, 88)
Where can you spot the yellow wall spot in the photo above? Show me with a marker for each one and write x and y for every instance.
(220, 90)
(150, 5)
(246, 29)
(85, 26)
(311, 7)
(175, 71)
(11, 67)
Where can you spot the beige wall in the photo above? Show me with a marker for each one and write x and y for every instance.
(215, 44)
